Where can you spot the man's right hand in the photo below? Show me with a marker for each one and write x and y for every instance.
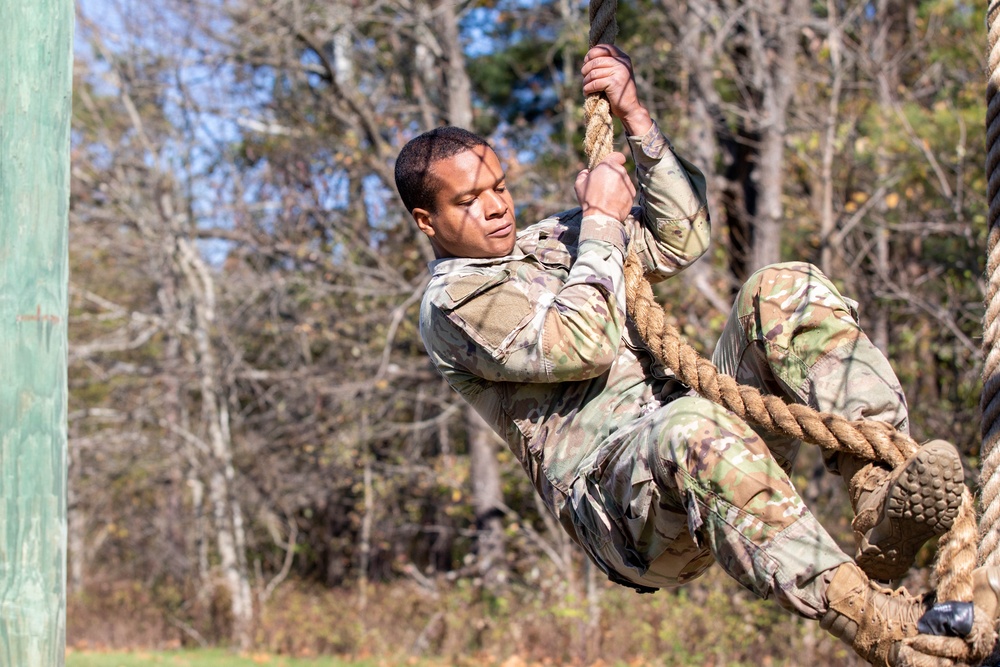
(606, 189)
(607, 69)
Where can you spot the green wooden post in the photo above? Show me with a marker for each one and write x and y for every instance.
(35, 106)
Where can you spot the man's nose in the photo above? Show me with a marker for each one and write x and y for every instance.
(495, 205)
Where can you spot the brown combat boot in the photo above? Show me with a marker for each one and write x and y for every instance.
(896, 511)
(870, 618)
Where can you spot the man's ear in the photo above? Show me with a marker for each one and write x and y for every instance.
(424, 221)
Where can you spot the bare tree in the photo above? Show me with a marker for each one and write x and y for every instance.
(757, 46)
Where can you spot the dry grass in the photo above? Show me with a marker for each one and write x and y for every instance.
(709, 623)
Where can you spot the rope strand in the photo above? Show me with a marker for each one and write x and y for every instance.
(599, 139)
(989, 523)
(956, 557)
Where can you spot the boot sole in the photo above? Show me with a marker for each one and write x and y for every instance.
(922, 503)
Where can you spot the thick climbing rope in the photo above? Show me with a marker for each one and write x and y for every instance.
(599, 140)
(956, 558)
(871, 440)
(989, 522)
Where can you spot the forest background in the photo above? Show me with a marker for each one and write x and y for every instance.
(261, 455)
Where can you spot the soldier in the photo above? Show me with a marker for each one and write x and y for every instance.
(654, 482)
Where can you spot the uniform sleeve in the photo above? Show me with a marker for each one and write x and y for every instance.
(671, 224)
(519, 323)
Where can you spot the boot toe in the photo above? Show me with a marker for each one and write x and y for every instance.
(919, 500)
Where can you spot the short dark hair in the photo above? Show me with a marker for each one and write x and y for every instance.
(413, 179)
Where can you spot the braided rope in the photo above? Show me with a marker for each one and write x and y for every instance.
(989, 544)
(866, 439)
(956, 556)
(600, 134)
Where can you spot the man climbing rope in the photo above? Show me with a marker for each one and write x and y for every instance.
(654, 482)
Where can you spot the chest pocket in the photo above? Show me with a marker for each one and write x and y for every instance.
(489, 308)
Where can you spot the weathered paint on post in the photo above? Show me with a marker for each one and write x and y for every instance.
(35, 106)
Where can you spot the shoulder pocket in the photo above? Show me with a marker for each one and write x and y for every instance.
(489, 308)
(471, 286)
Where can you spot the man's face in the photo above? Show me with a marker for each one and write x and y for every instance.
(474, 215)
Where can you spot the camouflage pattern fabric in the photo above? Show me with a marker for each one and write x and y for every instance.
(792, 334)
(655, 483)
(538, 341)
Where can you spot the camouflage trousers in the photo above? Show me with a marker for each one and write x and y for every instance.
(689, 483)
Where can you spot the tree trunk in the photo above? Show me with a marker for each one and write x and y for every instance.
(487, 499)
(886, 78)
(228, 517)
(365, 545)
(457, 79)
(828, 220)
(774, 47)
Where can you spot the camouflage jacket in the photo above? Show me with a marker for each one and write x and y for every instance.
(538, 341)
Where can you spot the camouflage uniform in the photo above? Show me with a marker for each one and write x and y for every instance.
(654, 482)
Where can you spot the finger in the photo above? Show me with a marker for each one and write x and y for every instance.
(615, 158)
(616, 162)
(626, 181)
(604, 78)
(600, 50)
(607, 59)
(625, 175)
(598, 86)
(604, 63)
